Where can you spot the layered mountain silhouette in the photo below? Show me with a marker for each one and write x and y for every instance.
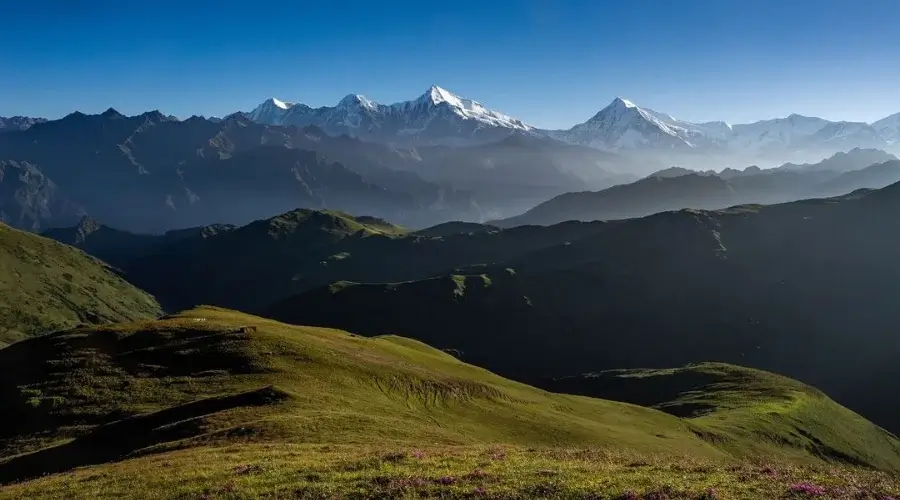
(174, 174)
(677, 188)
(159, 173)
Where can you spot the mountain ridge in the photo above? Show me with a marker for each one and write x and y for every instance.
(621, 125)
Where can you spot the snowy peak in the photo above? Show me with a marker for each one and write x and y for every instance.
(467, 109)
(438, 116)
(280, 104)
(619, 102)
(889, 128)
(622, 124)
(357, 100)
(438, 95)
(272, 111)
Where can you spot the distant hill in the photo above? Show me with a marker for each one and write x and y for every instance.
(854, 159)
(271, 259)
(771, 287)
(874, 176)
(677, 188)
(47, 286)
(455, 227)
(678, 172)
(646, 196)
(108, 244)
(211, 378)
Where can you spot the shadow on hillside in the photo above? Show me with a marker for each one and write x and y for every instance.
(654, 391)
(116, 440)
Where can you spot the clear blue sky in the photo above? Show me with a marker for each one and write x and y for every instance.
(551, 63)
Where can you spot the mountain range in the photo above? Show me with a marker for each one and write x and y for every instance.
(441, 117)
(436, 117)
(198, 171)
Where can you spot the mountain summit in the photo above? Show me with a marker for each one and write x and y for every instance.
(438, 116)
(624, 125)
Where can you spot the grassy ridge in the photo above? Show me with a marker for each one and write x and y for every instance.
(46, 286)
(745, 410)
(195, 378)
(219, 404)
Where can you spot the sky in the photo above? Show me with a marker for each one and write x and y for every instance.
(551, 63)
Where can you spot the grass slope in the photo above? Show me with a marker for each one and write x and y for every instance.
(196, 378)
(805, 289)
(46, 286)
(212, 403)
(740, 407)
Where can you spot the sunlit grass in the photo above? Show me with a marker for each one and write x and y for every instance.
(330, 471)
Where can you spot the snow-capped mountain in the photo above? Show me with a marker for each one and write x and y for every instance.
(441, 117)
(436, 117)
(889, 128)
(623, 125)
(777, 133)
(271, 111)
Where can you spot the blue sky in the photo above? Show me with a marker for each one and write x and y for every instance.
(552, 63)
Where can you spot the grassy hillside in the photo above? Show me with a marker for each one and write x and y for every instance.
(806, 289)
(233, 405)
(738, 406)
(281, 382)
(46, 286)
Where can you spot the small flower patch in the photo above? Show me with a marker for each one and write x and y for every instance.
(807, 489)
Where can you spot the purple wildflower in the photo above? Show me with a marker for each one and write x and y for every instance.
(446, 480)
(418, 454)
(808, 489)
(479, 491)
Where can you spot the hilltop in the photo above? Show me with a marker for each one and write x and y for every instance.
(47, 286)
(739, 405)
(773, 287)
(214, 393)
(303, 249)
